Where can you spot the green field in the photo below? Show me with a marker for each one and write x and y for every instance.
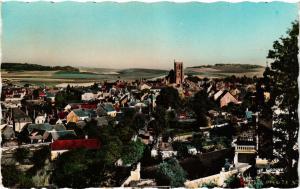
(224, 70)
(85, 75)
(100, 74)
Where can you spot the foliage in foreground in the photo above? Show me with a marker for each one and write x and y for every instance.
(283, 74)
(77, 168)
(12, 177)
(170, 173)
(133, 152)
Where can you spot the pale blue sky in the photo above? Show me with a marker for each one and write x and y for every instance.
(144, 35)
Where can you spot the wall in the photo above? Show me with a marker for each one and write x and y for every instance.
(134, 175)
(217, 178)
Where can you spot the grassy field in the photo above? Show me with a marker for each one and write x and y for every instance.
(85, 75)
(100, 74)
(224, 70)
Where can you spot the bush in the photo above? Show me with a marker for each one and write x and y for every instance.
(133, 152)
(12, 177)
(181, 148)
(21, 154)
(233, 182)
(78, 169)
(171, 173)
(209, 185)
(39, 157)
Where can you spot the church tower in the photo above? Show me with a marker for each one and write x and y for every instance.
(178, 69)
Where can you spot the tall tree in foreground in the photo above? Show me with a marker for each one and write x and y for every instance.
(168, 97)
(170, 173)
(133, 152)
(200, 104)
(284, 73)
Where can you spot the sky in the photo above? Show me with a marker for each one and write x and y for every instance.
(142, 35)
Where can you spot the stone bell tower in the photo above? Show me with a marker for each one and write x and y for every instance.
(178, 69)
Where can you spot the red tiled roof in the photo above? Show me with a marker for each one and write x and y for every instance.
(62, 115)
(89, 106)
(75, 144)
(42, 94)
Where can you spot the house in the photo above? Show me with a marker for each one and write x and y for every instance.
(76, 115)
(62, 115)
(90, 106)
(102, 95)
(88, 96)
(12, 104)
(41, 132)
(44, 126)
(192, 150)
(7, 132)
(164, 148)
(224, 98)
(61, 134)
(37, 136)
(68, 107)
(145, 136)
(235, 92)
(100, 111)
(36, 132)
(60, 146)
(51, 96)
(144, 86)
(123, 101)
(15, 97)
(109, 108)
(40, 119)
(20, 119)
(218, 94)
(42, 94)
(167, 153)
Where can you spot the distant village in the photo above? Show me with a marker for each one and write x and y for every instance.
(213, 130)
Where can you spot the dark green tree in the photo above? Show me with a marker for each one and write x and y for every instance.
(91, 129)
(232, 182)
(200, 104)
(60, 99)
(171, 76)
(138, 121)
(168, 97)
(95, 87)
(14, 178)
(68, 89)
(159, 124)
(181, 149)
(133, 152)
(78, 169)
(21, 154)
(170, 173)
(124, 133)
(284, 73)
(170, 119)
(39, 159)
(111, 152)
(35, 93)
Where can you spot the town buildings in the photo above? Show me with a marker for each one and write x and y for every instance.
(65, 118)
